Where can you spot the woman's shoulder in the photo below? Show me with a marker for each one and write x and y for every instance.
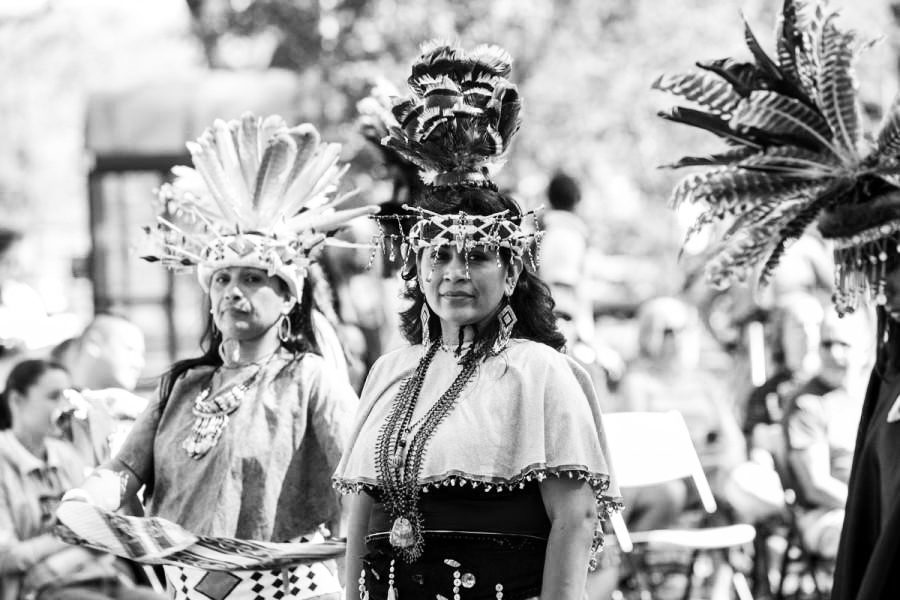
(538, 365)
(534, 354)
(187, 384)
(194, 376)
(531, 347)
(309, 370)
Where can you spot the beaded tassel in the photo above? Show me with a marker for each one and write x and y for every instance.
(392, 591)
(363, 593)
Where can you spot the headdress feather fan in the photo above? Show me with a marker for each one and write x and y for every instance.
(259, 194)
(797, 152)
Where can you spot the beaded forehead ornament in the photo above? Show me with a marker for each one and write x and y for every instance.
(260, 195)
(797, 154)
(456, 128)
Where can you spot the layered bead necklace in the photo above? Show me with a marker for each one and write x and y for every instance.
(212, 413)
(399, 459)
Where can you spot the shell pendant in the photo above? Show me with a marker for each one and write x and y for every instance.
(402, 533)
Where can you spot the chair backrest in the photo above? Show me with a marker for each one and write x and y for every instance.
(647, 448)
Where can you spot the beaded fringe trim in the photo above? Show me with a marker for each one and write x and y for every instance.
(860, 266)
(606, 505)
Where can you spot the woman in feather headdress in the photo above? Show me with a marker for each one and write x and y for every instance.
(478, 465)
(798, 154)
(241, 441)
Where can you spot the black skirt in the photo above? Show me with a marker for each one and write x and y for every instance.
(477, 565)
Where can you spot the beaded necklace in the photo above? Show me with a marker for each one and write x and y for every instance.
(399, 467)
(211, 414)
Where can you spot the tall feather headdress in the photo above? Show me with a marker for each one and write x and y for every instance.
(260, 194)
(797, 154)
(456, 126)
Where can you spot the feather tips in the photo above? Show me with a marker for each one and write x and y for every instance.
(796, 122)
(704, 88)
(837, 87)
(258, 174)
(888, 140)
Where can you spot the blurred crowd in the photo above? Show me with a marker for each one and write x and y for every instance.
(770, 384)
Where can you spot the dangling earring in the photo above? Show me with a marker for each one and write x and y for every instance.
(507, 318)
(284, 328)
(425, 318)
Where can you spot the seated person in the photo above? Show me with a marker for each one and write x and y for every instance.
(793, 331)
(667, 376)
(35, 470)
(105, 361)
(820, 426)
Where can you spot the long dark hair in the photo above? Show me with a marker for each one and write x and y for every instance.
(530, 300)
(20, 379)
(302, 340)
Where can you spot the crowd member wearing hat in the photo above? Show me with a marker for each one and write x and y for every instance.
(799, 155)
(478, 461)
(241, 441)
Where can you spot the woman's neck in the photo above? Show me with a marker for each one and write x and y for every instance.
(33, 442)
(450, 334)
(256, 350)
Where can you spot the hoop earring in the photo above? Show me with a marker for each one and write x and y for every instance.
(507, 318)
(284, 328)
(425, 318)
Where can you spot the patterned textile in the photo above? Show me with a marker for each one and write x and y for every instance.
(158, 541)
(303, 581)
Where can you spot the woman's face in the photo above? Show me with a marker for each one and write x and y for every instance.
(460, 300)
(38, 410)
(246, 302)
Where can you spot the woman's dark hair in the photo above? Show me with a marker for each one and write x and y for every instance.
(531, 299)
(302, 340)
(20, 379)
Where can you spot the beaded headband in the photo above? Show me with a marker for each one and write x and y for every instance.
(797, 155)
(260, 195)
(456, 128)
(433, 231)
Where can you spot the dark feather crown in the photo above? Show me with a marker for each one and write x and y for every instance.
(461, 116)
(797, 150)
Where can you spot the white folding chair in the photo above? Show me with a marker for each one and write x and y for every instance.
(648, 448)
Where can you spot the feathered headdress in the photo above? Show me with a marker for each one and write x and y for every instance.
(374, 122)
(797, 154)
(456, 127)
(260, 195)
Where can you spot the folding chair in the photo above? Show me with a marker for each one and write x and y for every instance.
(649, 448)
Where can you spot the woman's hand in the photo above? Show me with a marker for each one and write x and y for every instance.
(105, 487)
(572, 510)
